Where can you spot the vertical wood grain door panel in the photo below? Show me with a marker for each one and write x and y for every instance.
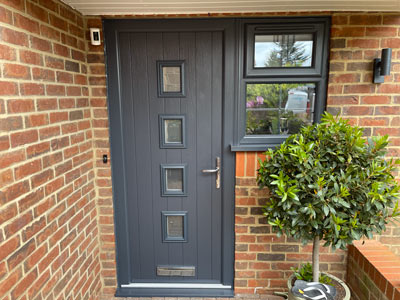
(149, 195)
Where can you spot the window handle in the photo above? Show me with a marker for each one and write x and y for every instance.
(216, 170)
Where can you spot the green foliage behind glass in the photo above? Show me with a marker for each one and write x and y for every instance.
(329, 181)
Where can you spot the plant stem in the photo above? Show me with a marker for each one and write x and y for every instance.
(315, 259)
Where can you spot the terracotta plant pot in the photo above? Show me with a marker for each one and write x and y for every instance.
(340, 282)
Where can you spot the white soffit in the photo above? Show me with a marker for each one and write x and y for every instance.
(146, 7)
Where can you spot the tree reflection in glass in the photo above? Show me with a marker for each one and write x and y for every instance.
(286, 50)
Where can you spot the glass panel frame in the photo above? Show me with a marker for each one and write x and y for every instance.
(164, 221)
(318, 30)
(165, 192)
(160, 78)
(164, 144)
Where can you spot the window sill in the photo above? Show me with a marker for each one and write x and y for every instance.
(257, 148)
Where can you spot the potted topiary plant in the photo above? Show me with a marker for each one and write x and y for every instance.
(329, 183)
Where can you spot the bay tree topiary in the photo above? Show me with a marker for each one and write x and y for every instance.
(329, 183)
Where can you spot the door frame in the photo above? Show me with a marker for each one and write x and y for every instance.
(112, 27)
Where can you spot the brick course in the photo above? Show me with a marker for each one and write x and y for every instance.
(48, 224)
(373, 272)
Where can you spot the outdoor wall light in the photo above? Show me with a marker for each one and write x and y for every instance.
(382, 65)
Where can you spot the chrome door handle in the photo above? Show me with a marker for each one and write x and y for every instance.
(211, 171)
(216, 170)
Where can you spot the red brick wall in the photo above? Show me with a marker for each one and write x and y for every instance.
(356, 40)
(373, 272)
(48, 215)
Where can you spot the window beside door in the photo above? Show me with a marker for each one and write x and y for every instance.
(282, 86)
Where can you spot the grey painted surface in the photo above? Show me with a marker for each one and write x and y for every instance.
(143, 107)
(134, 113)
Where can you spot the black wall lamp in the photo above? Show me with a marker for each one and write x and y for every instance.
(382, 65)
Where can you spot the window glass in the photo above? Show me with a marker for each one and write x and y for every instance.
(278, 108)
(175, 227)
(173, 131)
(171, 79)
(284, 50)
(174, 180)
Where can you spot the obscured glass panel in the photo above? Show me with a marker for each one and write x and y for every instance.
(174, 180)
(171, 79)
(175, 226)
(283, 50)
(278, 108)
(173, 131)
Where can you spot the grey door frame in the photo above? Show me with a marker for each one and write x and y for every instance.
(112, 27)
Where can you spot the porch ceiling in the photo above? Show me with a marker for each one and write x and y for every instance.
(125, 7)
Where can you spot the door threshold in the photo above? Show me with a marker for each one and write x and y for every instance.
(174, 290)
(177, 285)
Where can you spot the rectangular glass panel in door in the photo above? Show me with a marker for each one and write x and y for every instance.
(283, 50)
(171, 79)
(160, 178)
(174, 225)
(173, 131)
(174, 180)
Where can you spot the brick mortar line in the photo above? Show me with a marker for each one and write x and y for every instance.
(38, 51)
(42, 81)
(49, 139)
(47, 39)
(47, 68)
(39, 97)
(58, 244)
(53, 168)
(43, 112)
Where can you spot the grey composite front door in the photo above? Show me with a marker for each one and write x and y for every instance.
(170, 122)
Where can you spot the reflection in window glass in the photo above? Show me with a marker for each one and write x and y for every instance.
(171, 79)
(173, 131)
(175, 226)
(286, 50)
(174, 180)
(278, 108)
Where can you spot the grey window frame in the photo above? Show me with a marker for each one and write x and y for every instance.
(160, 78)
(168, 193)
(164, 220)
(163, 144)
(316, 74)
